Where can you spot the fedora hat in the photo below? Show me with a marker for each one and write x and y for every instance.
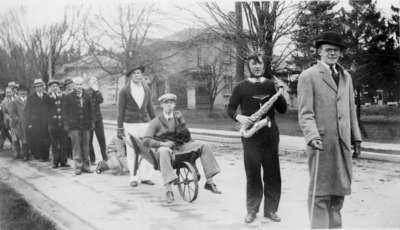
(38, 82)
(330, 37)
(140, 67)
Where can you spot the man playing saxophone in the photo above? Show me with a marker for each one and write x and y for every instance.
(261, 148)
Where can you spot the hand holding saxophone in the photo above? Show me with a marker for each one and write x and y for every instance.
(250, 125)
(244, 120)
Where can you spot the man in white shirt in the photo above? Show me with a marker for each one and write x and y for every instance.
(135, 110)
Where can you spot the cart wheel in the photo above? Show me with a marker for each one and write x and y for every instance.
(187, 181)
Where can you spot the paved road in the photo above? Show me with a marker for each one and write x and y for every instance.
(107, 202)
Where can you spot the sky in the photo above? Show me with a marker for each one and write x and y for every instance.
(175, 14)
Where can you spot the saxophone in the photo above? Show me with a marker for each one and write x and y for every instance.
(258, 123)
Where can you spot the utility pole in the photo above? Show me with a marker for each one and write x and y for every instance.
(240, 42)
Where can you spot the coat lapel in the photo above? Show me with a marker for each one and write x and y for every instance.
(327, 78)
(342, 82)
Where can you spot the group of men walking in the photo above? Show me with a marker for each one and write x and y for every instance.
(62, 119)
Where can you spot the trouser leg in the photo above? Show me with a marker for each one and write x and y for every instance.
(76, 149)
(271, 178)
(85, 149)
(320, 218)
(167, 171)
(207, 158)
(252, 165)
(99, 131)
(335, 217)
(54, 145)
(92, 155)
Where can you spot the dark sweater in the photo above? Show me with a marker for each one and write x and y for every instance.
(129, 111)
(96, 99)
(243, 96)
(78, 117)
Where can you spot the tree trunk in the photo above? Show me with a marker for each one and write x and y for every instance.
(239, 44)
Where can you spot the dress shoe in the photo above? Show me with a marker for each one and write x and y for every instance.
(169, 196)
(55, 166)
(133, 183)
(78, 172)
(65, 165)
(250, 218)
(272, 216)
(148, 182)
(212, 187)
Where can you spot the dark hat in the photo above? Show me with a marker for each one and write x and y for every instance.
(166, 97)
(135, 68)
(331, 38)
(22, 88)
(51, 82)
(67, 81)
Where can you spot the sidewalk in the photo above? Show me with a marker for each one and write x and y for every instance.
(104, 201)
(370, 150)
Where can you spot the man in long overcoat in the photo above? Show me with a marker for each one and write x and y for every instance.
(18, 122)
(35, 112)
(327, 117)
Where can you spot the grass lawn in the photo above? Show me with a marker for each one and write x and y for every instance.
(17, 214)
(379, 127)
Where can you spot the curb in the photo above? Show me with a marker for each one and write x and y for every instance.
(386, 152)
(62, 218)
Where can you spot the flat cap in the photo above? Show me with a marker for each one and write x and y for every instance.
(166, 97)
(51, 82)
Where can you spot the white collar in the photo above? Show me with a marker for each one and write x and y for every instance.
(254, 80)
(327, 66)
(167, 117)
(134, 85)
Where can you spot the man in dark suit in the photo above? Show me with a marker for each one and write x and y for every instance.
(135, 109)
(56, 124)
(261, 149)
(78, 122)
(35, 112)
(96, 98)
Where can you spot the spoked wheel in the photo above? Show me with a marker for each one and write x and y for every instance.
(187, 181)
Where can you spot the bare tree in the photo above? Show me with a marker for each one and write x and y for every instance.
(39, 49)
(266, 23)
(121, 40)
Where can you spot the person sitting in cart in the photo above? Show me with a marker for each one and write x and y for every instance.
(167, 133)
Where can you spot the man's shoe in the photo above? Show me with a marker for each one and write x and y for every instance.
(133, 183)
(87, 171)
(212, 187)
(169, 197)
(55, 166)
(66, 165)
(272, 216)
(250, 218)
(148, 182)
(78, 172)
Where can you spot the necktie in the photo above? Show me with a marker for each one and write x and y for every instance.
(335, 74)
